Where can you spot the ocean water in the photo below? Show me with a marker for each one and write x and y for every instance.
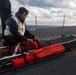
(32, 27)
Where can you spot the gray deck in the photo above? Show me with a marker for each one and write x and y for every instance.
(65, 65)
(55, 32)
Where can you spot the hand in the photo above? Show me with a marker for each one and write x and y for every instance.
(36, 38)
(30, 40)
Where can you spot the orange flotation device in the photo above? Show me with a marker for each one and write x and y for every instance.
(39, 54)
(48, 51)
(21, 61)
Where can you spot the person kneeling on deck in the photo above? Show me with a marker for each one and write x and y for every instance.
(16, 30)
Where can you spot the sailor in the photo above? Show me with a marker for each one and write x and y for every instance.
(5, 13)
(16, 30)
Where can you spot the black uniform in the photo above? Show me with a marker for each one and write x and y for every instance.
(5, 12)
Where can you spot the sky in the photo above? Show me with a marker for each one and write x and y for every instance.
(48, 11)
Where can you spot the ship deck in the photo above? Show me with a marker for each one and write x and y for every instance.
(62, 65)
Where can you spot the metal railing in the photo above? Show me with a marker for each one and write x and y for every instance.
(62, 20)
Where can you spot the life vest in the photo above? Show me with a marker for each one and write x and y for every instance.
(21, 27)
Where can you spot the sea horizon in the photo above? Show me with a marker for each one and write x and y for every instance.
(34, 27)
